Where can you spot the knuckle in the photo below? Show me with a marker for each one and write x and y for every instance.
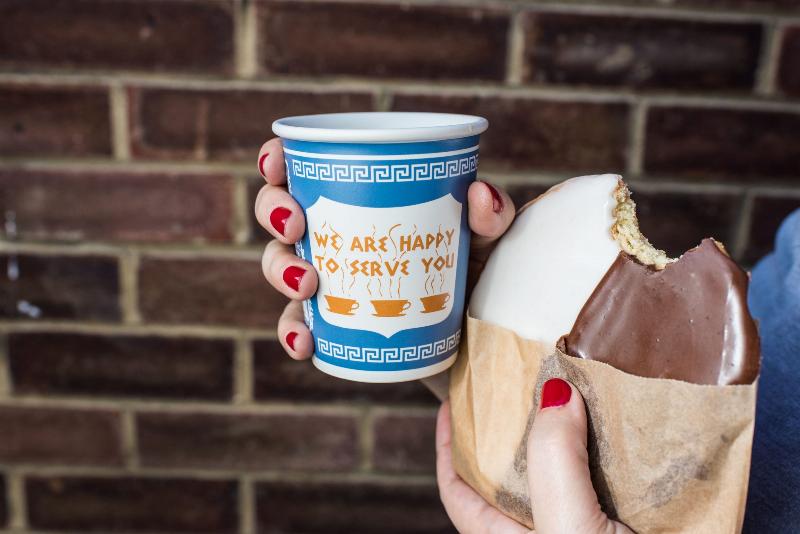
(258, 204)
(270, 257)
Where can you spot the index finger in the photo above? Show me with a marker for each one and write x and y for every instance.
(271, 163)
(491, 212)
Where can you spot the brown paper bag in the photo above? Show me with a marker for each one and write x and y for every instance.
(665, 455)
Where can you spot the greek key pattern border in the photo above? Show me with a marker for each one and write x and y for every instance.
(388, 355)
(384, 173)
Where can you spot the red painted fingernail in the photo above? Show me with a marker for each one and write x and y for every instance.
(292, 276)
(278, 219)
(555, 392)
(261, 161)
(290, 337)
(497, 200)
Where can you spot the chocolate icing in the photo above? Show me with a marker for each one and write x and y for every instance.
(688, 321)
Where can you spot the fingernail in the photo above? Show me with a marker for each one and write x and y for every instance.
(261, 161)
(497, 200)
(292, 276)
(555, 392)
(290, 337)
(278, 219)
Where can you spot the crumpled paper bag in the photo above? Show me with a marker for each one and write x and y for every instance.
(665, 455)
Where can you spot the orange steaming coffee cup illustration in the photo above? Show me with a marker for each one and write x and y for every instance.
(341, 305)
(390, 308)
(434, 303)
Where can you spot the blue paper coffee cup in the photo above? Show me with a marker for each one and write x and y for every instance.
(385, 201)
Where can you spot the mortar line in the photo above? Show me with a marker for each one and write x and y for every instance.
(172, 251)
(197, 331)
(768, 60)
(650, 183)
(775, 192)
(120, 128)
(594, 7)
(241, 228)
(412, 411)
(733, 103)
(645, 184)
(129, 440)
(515, 49)
(400, 86)
(139, 406)
(247, 506)
(637, 125)
(383, 100)
(657, 12)
(129, 286)
(603, 8)
(366, 439)
(741, 233)
(48, 531)
(246, 53)
(17, 503)
(173, 406)
(5, 368)
(243, 371)
(188, 167)
(556, 93)
(253, 475)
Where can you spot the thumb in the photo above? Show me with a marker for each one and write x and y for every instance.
(560, 485)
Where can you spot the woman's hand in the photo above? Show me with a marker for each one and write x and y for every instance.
(558, 470)
(491, 212)
(559, 482)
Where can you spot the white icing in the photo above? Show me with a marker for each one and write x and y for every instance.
(551, 259)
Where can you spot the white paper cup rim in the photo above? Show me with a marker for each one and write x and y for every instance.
(379, 127)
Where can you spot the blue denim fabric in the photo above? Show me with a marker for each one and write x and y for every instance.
(773, 503)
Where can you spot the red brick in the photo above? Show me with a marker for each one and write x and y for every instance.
(99, 504)
(278, 377)
(189, 124)
(394, 41)
(118, 205)
(125, 34)
(768, 214)
(526, 133)
(248, 441)
(54, 121)
(59, 287)
(708, 143)
(405, 443)
(640, 52)
(676, 222)
(789, 63)
(207, 291)
(364, 508)
(121, 366)
(59, 436)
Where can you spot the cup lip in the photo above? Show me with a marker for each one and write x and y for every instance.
(365, 127)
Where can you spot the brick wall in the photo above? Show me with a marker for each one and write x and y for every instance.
(141, 385)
